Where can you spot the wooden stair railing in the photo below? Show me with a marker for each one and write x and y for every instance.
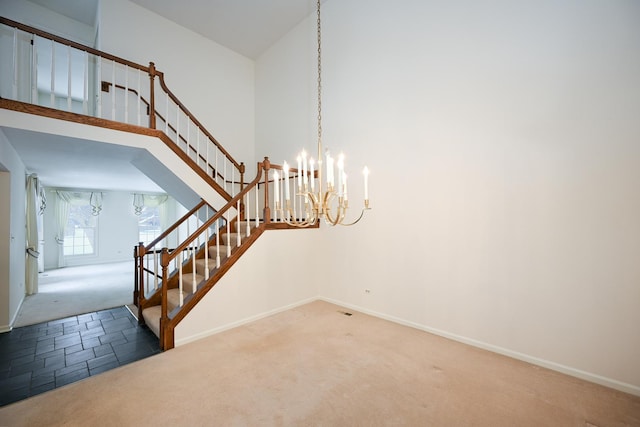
(140, 103)
(183, 275)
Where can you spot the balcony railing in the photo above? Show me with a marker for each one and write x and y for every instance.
(42, 69)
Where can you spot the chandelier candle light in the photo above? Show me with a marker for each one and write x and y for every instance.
(332, 203)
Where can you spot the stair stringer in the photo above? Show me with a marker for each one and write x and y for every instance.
(178, 314)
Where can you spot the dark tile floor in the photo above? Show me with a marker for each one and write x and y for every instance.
(41, 357)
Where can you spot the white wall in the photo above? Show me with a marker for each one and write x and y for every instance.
(214, 83)
(270, 277)
(12, 233)
(503, 144)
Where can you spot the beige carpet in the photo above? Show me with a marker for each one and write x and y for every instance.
(313, 366)
(68, 291)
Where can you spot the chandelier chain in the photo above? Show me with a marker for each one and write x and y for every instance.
(319, 78)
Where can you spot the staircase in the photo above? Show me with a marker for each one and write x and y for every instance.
(175, 271)
(205, 268)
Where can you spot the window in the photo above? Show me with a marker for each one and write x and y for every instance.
(81, 231)
(149, 224)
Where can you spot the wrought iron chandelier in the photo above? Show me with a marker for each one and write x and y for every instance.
(311, 203)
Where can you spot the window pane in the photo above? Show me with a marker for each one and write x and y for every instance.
(80, 232)
(149, 224)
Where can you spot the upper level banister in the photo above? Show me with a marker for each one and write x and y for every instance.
(150, 104)
(195, 121)
(107, 85)
(71, 43)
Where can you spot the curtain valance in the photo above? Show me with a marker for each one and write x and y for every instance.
(79, 198)
(147, 200)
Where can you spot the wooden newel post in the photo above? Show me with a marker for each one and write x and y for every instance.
(242, 170)
(137, 259)
(138, 288)
(136, 278)
(164, 319)
(267, 211)
(152, 96)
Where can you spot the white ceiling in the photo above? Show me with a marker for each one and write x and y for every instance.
(248, 27)
(64, 162)
(84, 11)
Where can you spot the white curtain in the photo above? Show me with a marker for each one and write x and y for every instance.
(62, 216)
(147, 200)
(31, 273)
(64, 200)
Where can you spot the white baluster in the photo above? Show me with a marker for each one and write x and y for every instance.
(178, 125)
(257, 207)
(126, 93)
(180, 276)
(228, 234)
(155, 270)
(198, 146)
(189, 137)
(193, 265)
(85, 86)
(113, 90)
(217, 245)
(224, 178)
(34, 71)
(166, 117)
(53, 75)
(14, 90)
(99, 87)
(139, 91)
(206, 250)
(68, 78)
(238, 224)
(206, 156)
(215, 177)
(246, 210)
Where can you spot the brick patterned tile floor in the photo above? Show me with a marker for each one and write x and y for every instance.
(41, 357)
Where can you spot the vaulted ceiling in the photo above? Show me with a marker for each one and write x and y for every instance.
(248, 27)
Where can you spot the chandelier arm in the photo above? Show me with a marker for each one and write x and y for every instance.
(302, 224)
(326, 204)
(357, 220)
(289, 218)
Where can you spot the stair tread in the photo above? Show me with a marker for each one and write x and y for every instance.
(188, 277)
(223, 250)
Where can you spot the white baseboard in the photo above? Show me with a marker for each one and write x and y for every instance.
(594, 378)
(241, 322)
